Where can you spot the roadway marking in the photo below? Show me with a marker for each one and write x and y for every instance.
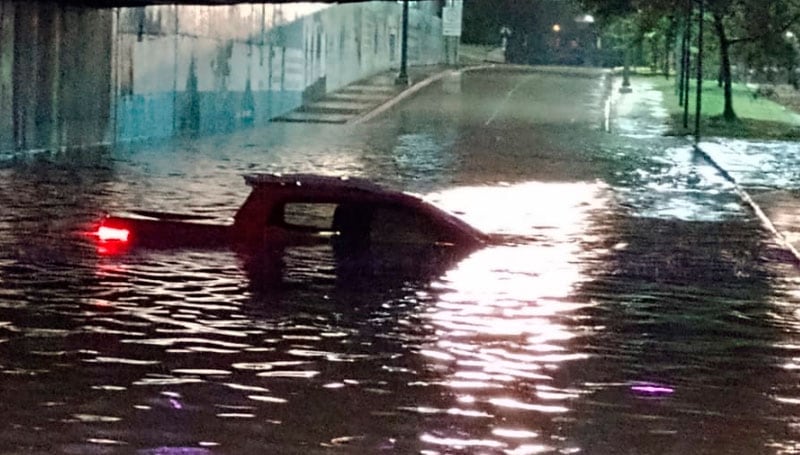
(505, 101)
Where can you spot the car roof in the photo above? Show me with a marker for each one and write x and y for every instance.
(352, 187)
(315, 182)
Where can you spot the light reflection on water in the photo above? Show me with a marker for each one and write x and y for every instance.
(504, 319)
(598, 296)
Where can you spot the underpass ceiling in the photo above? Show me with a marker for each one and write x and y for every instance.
(130, 3)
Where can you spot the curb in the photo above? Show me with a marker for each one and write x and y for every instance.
(759, 212)
(380, 109)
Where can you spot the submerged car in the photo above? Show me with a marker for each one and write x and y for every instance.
(298, 209)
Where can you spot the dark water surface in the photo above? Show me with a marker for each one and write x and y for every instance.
(636, 307)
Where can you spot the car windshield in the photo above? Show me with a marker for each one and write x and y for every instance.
(603, 257)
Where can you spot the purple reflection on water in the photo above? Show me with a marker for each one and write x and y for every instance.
(175, 403)
(175, 451)
(652, 389)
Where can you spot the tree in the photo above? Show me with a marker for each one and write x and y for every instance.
(651, 24)
(530, 23)
(734, 22)
(658, 42)
(741, 21)
(482, 23)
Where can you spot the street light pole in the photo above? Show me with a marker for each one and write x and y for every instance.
(626, 68)
(626, 72)
(402, 78)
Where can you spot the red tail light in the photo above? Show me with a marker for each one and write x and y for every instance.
(112, 234)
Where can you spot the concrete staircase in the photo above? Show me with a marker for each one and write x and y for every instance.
(348, 103)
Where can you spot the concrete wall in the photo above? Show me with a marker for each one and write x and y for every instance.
(194, 69)
(6, 68)
(161, 71)
(55, 84)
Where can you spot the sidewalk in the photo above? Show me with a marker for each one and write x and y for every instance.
(765, 176)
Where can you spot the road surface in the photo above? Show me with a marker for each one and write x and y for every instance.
(637, 305)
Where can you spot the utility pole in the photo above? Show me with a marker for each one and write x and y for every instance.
(402, 78)
(682, 75)
(698, 108)
(687, 70)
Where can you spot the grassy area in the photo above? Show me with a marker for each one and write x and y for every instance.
(759, 117)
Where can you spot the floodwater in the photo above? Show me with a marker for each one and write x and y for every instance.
(634, 305)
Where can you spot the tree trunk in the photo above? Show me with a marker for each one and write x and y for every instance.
(667, 60)
(670, 42)
(725, 57)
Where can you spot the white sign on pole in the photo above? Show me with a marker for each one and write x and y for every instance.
(451, 20)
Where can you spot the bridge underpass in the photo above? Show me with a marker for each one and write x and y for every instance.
(83, 74)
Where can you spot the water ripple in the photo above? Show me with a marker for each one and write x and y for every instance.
(630, 304)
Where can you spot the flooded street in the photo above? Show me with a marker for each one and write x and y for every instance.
(635, 304)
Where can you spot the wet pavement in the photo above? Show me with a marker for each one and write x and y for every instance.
(636, 305)
(765, 173)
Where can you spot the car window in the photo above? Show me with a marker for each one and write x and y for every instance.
(308, 216)
(401, 225)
